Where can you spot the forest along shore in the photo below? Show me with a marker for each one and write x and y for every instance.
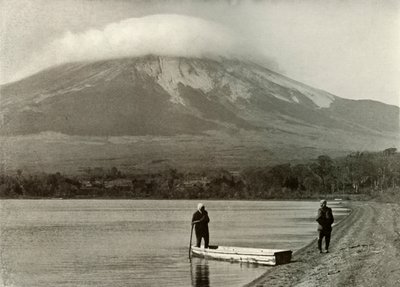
(364, 251)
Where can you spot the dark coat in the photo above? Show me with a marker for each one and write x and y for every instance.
(325, 219)
(202, 226)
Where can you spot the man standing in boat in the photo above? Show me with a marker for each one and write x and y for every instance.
(325, 220)
(200, 219)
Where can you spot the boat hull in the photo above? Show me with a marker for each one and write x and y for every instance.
(246, 255)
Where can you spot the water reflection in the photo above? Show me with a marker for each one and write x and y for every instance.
(56, 242)
(200, 273)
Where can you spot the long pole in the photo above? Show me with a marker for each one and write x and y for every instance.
(190, 243)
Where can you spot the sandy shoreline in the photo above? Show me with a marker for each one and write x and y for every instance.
(365, 251)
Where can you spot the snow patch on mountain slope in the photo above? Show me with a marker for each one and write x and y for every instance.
(237, 87)
(42, 96)
(169, 73)
(320, 99)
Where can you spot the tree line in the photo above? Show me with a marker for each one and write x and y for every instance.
(362, 173)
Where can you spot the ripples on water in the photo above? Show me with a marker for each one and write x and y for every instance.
(51, 243)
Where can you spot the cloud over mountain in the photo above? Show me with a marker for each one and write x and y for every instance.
(163, 34)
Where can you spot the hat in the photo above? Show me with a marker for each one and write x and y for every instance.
(322, 201)
(200, 206)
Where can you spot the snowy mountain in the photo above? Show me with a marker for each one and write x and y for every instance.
(159, 95)
(166, 96)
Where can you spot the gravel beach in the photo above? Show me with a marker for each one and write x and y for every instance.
(364, 251)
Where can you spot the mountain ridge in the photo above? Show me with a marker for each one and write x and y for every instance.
(256, 115)
(228, 87)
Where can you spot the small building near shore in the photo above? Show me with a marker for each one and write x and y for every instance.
(122, 183)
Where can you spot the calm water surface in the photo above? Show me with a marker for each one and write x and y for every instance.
(50, 243)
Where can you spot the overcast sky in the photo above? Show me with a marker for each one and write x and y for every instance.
(348, 48)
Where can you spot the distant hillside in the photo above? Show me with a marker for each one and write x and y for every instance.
(235, 101)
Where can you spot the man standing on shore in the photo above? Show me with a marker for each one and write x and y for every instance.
(201, 220)
(325, 220)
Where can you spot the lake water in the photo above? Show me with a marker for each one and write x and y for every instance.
(50, 243)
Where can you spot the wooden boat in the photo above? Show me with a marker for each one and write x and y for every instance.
(246, 255)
